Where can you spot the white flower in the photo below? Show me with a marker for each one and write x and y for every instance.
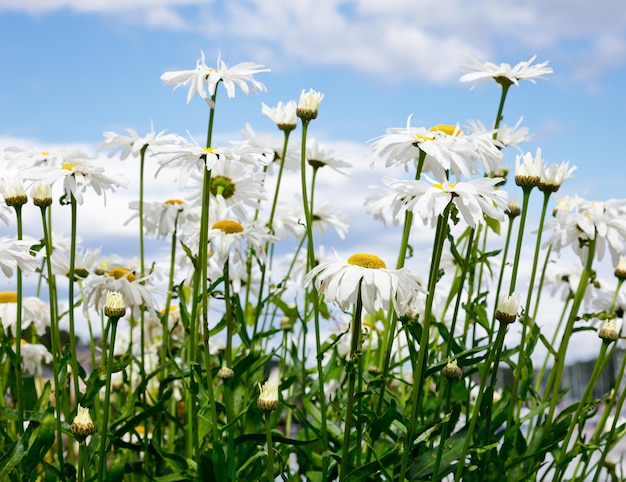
(85, 261)
(13, 191)
(41, 194)
(529, 169)
(367, 275)
(76, 179)
(268, 398)
(204, 80)
(270, 143)
(229, 239)
(380, 205)
(603, 222)
(506, 311)
(553, 176)
(162, 219)
(480, 73)
(33, 355)
(135, 293)
(473, 199)
(25, 157)
(308, 104)
(16, 254)
(283, 115)
(191, 157)
(317, 155)
(133, 144)
(446, 149)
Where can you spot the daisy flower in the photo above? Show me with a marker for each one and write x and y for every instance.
(230, 239)
(529, 169)
(504, 74)
(85, 262)
(16, 254)
(162, 219)
(13, 191)
(473, 199)
(553, 176)
(283, 115)
(317, 155)
(136, 293)
(204, 80)
(603, 222)
(308, 104)
(24, 157)
(132, 144)
(270, 143)
(367, 276)
(76, 179)
(446, 149)
(33, 356)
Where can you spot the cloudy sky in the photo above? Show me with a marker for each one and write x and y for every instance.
(73, 69)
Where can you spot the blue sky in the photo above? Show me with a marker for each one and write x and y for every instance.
(73, 69)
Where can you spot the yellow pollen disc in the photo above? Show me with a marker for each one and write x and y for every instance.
(172, 308)
(174, 201)
(45, 153)
(438, 185)
(210, 150)
(68, 166)
(8, 297)
(447, 129)
(118, 273)
(228, 226)
(367, 261)
(421, 138)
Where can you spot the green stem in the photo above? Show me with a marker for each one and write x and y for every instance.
(597, 370)
(19, 383)
(71, 275)
(422, 358)
(520, 237)
(107, 399)
(315, 300)
(353, 366)
(270, 447)
(55, 340)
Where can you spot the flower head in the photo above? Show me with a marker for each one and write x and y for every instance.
(204, 80)
(13, 191)
(33, 356)
(609, 331)
(283, 115)
(367, 276)
(308, 104)
(114, 305)
(554, 175)
(504, 74)
(473, 199)
(16, 254)
(317, 155)
(82, 425)
(506, 311)
(268, 398)
(41, 194)
(133, 144)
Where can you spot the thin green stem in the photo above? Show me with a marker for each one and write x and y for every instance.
(270, 447)
(520, 237)
(19, 383)
(422, 358)
(107, 399)
(71, 275)
(352, 367)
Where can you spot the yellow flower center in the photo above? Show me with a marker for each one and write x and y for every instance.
(174, 201)
(118, 273)
(438, 185)
(209, 150)
(68, 166)
(367, 261)
(419, 138)
(447, 129)
(45, 153)
(228, 226)
(8, 297)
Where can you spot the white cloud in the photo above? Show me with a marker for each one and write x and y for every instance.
(391, 39)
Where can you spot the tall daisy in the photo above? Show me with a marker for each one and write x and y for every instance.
(474, 199)
(132, 144)
(480, 73)
(16, 254)
(367, 275)
(203, 80)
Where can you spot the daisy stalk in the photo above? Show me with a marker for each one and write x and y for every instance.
(71, 276)
(43, 203)
(391, 319)
(354, 364)
(514, 408)
(113, 310)
(307, 111)
(419, 366)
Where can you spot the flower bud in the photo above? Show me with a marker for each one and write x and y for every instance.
(609, 331)
(268, 399)
(225, 373)
(308, 104)
(82, 425)
(41, 194)
(506, 312)
(114, 306)
(452, 370)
